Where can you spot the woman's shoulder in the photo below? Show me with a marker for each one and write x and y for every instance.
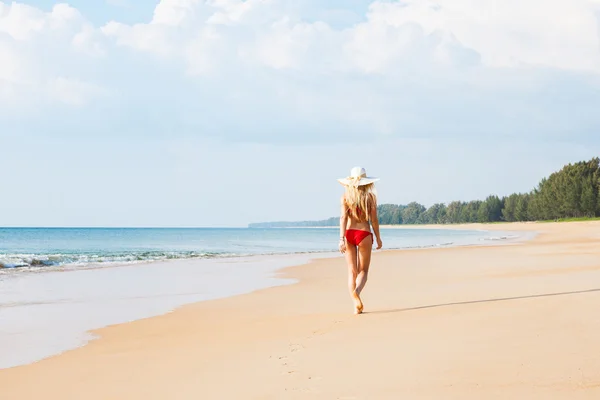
(372, 199)
(343, 200)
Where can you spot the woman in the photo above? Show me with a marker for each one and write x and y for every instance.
(359, 207)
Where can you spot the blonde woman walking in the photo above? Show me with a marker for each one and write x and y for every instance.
(358, 213)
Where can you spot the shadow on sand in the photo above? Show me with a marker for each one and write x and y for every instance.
(482, 301)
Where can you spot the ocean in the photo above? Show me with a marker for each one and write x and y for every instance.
(58, 284)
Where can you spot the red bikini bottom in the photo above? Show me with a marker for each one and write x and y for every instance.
(355, 236)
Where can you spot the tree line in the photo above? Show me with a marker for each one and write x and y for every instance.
(572, 192)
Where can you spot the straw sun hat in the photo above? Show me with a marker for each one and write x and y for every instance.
(358, 177)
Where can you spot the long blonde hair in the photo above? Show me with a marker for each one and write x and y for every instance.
(360, 200)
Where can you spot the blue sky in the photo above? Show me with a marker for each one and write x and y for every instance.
(100, 12)
(225, 112)
(337, 13)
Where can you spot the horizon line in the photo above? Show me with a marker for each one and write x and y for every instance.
(120, 227)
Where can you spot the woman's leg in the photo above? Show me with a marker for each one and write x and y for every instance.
(352, 261)
(365, 247)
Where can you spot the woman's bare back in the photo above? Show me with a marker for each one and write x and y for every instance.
(363, 220)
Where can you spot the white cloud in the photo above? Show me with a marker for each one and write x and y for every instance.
(89, 41)
(144, 37)
(23, 22)
(294, 45)
(74, 92)
(234, 12)
(554, 33)
(11, 65)
(41, 52)
(505, 34)
(20, 21)
(174, 12)
(206, 51)
(257, 68)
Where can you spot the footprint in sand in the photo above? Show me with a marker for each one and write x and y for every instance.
(295, 347)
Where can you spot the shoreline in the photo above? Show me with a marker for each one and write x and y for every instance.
(331, 318)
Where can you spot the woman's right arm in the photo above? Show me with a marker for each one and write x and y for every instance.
(343, 224)
(375, 222)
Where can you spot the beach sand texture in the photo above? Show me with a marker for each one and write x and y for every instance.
(498, 322)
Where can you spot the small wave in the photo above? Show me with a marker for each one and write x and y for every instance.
(30, 261)
(506, 237)
(423, 246)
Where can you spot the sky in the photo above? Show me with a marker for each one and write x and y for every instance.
(225, 112)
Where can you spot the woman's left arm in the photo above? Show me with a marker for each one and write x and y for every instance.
(343, 224)
(375, 221)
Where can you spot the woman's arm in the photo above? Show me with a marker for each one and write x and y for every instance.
(375, 221)
(343, 224)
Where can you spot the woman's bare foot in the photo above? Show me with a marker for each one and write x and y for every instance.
(358, 305)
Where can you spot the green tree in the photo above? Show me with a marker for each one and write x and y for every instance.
(397, 216)
(470, 212)
(510, 208)
(598, 205)
(412, 212)
(489, 210)
(436, 214)
(483, 214)
(389, 214)
(453, 212)
(522, 208)
(589, 199)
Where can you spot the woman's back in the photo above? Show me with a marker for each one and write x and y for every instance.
(359, 207)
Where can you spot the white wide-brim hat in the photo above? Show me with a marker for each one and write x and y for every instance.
(358, 177)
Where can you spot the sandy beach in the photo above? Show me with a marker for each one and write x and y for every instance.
(484, 322)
